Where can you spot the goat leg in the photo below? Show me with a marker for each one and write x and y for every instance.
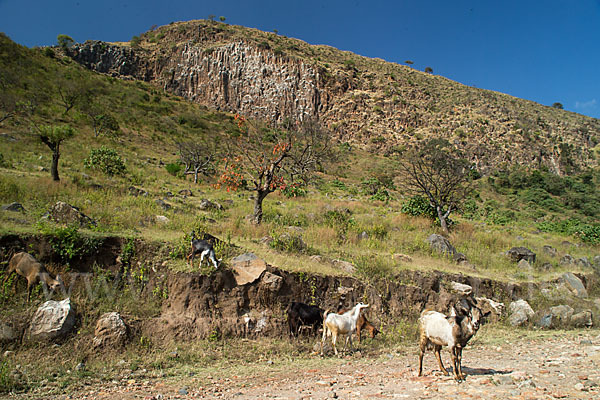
(421, 353)
(459, 361)
(437, 350)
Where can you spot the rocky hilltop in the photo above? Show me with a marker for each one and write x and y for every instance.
(382, 106)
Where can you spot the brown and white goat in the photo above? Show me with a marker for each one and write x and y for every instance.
(362, 324)
(26, 265)
(437, 330)
(344, 324)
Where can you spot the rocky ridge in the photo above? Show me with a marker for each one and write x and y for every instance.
(382, 106)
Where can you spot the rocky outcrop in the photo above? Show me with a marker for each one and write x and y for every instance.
(111, 330)
(369, 102)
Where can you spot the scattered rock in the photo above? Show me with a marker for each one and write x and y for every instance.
(517, 254)
(523, 265)
(495, 308)
(546, 267)
(344, 265)
(520, 312)
(163, 204)
(206, 204)
(549, 250)
(137, 191)
(14, 207)
(363, 235)
(574, 284)
(111, 330)
(440, 244)
(561, 315)
(185, 193)
(64, 213)
(583, 262)
(271, 281)
(161, 219)
(53, 320)
(7, 333)
(597, 261)
(461, 288)
(567, 259)
(459, 258)
(582, 319)
(266, 240)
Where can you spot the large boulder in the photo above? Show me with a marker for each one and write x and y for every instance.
(440, 244)
(111, 330)
(517, 254)
(495, 308)
(574, 284)
(247, 268)
(520, 312)
(67, 214)
(53, 320)
(561, 314)
(582, 319)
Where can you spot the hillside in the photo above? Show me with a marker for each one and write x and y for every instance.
(348, 235)
(380, 106)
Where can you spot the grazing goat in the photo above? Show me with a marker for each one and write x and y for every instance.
(437, 330)
(27, 266)
(203, 248)
(300, 314)
(344, 324)
(362, 324)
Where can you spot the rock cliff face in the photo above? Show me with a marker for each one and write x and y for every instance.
(381, 106)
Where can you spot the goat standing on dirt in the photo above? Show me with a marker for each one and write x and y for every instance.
(437, 330)
(26, 265)
(203, 248)
(344, 324)
(362, 324)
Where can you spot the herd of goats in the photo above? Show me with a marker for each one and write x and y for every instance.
(436, 329)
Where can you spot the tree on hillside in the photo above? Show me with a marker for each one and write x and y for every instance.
(198, 157)
(429, 70)
(263, 159)
(558, 105)
(71, 90)
(52, 136)
(101, 120)
(65, 41)
(222, 18)
(439, 172)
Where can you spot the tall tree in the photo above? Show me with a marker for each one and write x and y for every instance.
(52, 136)
(440, 172)
(263, 160)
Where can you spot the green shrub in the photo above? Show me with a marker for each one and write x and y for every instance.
(418, 206)
(294, 190)
(68, 243)
(105, 160)
(174, 169)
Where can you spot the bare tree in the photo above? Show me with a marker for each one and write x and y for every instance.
(263, 159)
(198, 157)
(438, 171)
(52, 136)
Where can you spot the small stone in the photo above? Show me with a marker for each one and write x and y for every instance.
(183, 391)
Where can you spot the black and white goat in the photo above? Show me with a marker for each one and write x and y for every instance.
(204, 248)
(437, 330)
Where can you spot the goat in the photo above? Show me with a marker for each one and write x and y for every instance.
(362, 324)
(203, 248)
(344, 324)
(300, 315)
(437, 330)
(27, 266)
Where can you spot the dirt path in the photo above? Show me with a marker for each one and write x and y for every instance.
(558, 366)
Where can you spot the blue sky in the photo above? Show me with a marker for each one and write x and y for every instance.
(545, 51)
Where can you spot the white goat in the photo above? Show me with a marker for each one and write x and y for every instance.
(344, 324)
(437, 330)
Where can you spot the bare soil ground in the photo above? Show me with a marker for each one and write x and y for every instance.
(517, 365)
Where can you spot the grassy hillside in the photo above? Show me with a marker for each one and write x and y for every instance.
(337, 208)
